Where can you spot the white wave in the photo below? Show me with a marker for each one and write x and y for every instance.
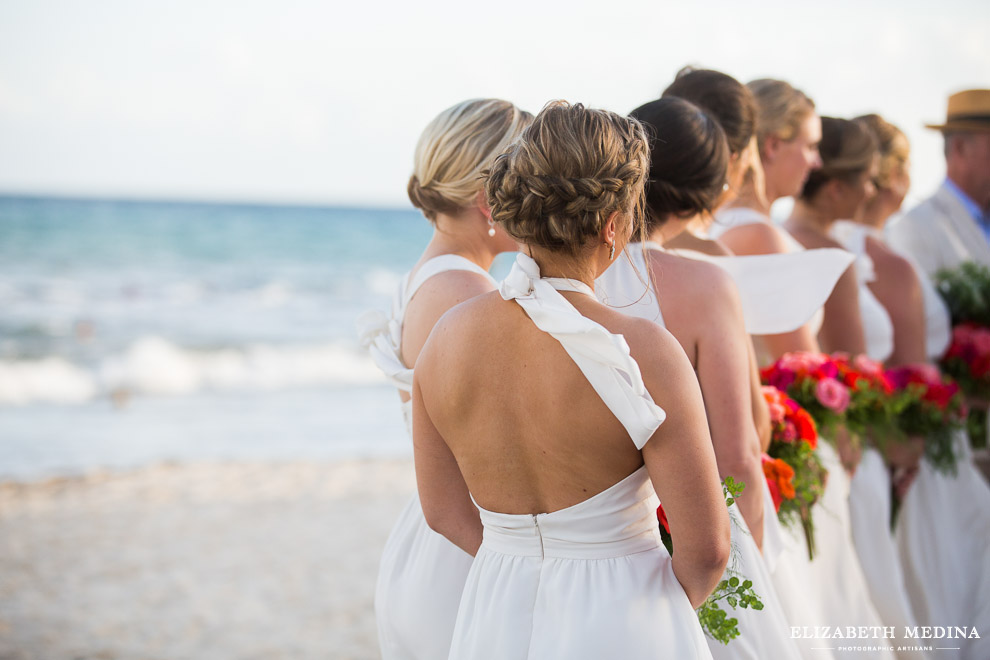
(155, 366)
(51, 380)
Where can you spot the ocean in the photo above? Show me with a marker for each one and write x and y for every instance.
(136, 332)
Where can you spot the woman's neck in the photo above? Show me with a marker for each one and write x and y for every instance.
(749, 198)
(670, 229)
(806, 217)
(553, 264)
(460, 235)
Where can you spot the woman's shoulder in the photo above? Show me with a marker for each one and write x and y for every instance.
(891, 266)
(693, 280)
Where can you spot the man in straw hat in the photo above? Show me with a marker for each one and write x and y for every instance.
(953, 225)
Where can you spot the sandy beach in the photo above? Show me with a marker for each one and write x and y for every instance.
(244, 560)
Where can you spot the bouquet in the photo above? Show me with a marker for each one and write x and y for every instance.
(734, 588)
(836, 390)
(968, 362)
(966, 292)
(795, 476)
(932, 408)
(812, 381)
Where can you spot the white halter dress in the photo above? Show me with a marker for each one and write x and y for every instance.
(870, 488)
(831, 590)
(592, 580)
(628, 287)
(421, 575)
(943, 527)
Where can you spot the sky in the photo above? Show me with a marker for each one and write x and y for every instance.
(322, 102)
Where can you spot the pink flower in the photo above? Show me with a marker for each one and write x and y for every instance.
(832, 394)
(777, 412)
(790, 432)
(868, 366)
(801, 362)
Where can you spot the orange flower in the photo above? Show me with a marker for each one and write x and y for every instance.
(779, 472)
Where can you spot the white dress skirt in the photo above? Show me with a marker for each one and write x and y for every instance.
(763, 633)
(421, 574)
(592, 580)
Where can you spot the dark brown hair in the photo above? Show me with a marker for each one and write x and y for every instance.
(847, 150)
(689, 157)
(724, 98)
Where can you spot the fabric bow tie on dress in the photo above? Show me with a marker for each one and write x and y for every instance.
(383, 337)
(603, 357)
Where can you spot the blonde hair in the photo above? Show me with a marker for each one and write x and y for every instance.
(781, 108)
(894, 146)
(557, 185)
(455, 148)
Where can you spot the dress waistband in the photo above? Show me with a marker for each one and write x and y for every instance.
(532, 541)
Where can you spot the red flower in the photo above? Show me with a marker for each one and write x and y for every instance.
(662, 517)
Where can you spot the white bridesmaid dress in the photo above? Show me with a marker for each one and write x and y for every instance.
(831, 590)
(943, 527)
(870, 489)
(763, 633)
(421, 574)
(592, 580)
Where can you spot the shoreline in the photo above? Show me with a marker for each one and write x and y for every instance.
(213, 559)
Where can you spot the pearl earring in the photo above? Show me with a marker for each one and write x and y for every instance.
(491, 228)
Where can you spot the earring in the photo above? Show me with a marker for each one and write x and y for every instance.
(725, 187)
(491, 228)
(611, 250)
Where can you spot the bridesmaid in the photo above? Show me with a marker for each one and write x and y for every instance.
(944, 519)
(422, 575)
(832, 588)
(689, 157)
(839, 189)
(569, 560)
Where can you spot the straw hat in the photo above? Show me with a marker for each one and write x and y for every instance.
(969, 111)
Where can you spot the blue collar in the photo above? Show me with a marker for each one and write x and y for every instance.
(971, 207)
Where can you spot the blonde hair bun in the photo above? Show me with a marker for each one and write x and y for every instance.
(455, 148)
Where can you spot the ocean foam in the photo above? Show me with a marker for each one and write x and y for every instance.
(155, 366)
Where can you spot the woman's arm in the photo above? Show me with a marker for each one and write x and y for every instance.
(726, 377)
(444, 495)
(842, 329)
(681, 463)
(899, 291)
(761, 411)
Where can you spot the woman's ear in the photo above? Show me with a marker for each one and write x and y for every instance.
(770, 147)
(481, 201)
(610, 227)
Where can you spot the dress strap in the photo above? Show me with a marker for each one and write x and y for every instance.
(603, 357)
(382, 334)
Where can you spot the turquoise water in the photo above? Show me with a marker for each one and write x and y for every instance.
(133, 332)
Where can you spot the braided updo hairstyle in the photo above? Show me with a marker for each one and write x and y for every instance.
(455, 148)
(689, 159)
(557, 185)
